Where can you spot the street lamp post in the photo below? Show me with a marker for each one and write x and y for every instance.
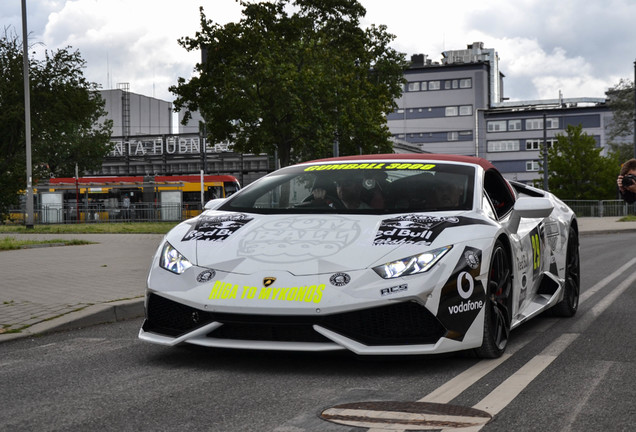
(27, 120)
(634, 132)
(545, 153)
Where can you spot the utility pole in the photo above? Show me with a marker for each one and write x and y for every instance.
(28, 220)
(634, 132)
(545, 153)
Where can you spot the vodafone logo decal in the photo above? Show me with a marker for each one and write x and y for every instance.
(465, 288)
(465, 276)
(463, 295)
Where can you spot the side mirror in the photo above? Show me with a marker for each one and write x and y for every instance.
(213, 204)
(529, 208)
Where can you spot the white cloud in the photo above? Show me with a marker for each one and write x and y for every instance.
(580, 48)
(123, 41)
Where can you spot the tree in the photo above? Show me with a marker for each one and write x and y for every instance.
(620, 99)
(65, 113)
(576, 169)
(294, 76)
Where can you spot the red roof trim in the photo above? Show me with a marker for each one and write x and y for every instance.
(196, 178)
(139, 179)
(96, 180)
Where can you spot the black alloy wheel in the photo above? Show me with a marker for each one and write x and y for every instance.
(498, 306)
(570, 303)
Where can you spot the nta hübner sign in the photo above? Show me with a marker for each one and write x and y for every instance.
(160, 145)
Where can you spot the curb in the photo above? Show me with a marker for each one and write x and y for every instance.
(607, 231)
(92, 315)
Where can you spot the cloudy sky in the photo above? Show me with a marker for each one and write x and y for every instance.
(578, 47)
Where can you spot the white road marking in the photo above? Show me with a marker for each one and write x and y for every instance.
(588, 318)
(501, 396)
(601, 284)
(583, 398)
(456, 386)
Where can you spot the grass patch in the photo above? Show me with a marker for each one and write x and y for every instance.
(628, 218)
(7, 330)
(93, 228)
(11, 243)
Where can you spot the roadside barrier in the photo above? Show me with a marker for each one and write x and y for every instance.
(95, 213)
(605, 208)
(158, 212)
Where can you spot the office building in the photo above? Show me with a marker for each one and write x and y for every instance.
(457, 106)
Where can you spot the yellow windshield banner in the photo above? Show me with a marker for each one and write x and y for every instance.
(368, 166)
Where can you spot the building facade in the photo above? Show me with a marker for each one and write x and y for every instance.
(144, 143)
(515, 136)
(457, 106)
(135, 114)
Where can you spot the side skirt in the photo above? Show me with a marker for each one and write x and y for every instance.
(550, 293)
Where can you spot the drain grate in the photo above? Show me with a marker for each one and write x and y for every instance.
(405, 415)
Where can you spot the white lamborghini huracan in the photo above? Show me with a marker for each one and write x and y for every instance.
(378, 254)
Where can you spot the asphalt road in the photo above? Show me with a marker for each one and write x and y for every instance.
(559, 374)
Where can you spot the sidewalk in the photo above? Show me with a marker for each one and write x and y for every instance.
(56, 288)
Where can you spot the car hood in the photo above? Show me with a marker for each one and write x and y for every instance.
(313, 244)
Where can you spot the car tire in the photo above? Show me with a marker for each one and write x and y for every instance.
(498, 305)
(568, 306)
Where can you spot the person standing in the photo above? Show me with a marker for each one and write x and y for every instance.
(626, 181)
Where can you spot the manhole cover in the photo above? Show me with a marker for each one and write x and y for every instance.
(405, 415)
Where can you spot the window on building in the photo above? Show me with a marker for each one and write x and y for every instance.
(532, 165)
(537, 144)
(414, 86)
(466, 83)
(423, 86)
(552, 123)
(497, 126)
(534, 124)
(452, 136)
(533, 144)
(447, 84)
(455, 84)
(503, 145)
(466, 110)
(514, 125)
(433, 85)
(451, 111)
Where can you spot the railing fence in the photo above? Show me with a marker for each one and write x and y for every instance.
(96, 213)
(158, 212)
(605, 208)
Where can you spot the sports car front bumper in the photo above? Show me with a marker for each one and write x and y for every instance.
(405, 327)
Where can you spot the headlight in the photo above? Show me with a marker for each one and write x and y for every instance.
(172, 260)
(411, 265)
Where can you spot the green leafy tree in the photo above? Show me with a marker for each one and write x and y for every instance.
(620, 99)
(65, 118)
(294, 76)
(577, 170)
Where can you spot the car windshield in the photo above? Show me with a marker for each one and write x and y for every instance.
(369, 187)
